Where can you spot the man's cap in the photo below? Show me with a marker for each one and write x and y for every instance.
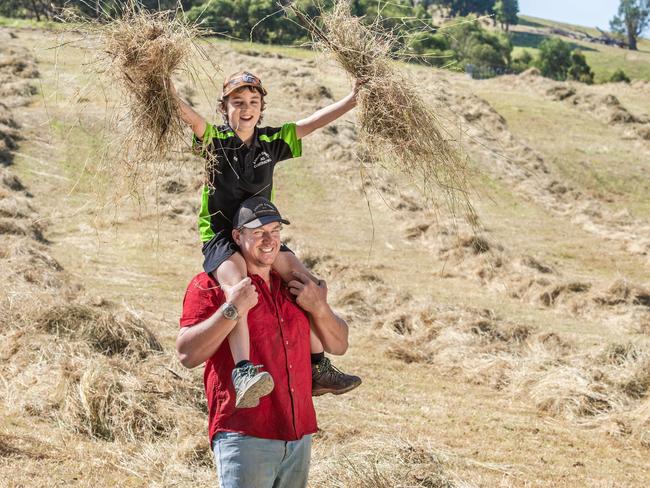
(242, 78)
(256, 212)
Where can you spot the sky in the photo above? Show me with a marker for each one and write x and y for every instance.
(588, 13)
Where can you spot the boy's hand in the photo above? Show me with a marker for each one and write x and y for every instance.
(243, 295)
(310, 296)
(357, 86)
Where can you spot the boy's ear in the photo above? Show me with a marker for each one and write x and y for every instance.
(236, 236)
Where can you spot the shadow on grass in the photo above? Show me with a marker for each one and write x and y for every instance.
(531, 40)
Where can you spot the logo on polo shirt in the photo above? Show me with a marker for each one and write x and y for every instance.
(262, 159)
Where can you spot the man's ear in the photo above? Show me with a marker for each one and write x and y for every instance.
(236, 236)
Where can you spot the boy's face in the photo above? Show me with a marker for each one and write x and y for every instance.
(243, 109)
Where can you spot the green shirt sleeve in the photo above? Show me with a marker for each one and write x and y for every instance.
(200, 145)
(288, 135)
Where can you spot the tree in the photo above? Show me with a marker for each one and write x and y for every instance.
(632, 19)
(579, 69)
(505, 12)
(466, 7)
(554, 58)
(619, 76)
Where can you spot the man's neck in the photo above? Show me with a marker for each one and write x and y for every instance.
(263, 272)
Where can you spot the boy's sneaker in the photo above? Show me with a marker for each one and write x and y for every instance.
(250, 385)
(325, 378)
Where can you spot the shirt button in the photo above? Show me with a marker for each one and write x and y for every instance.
(286, 342)
(290, 366)
(292, 390)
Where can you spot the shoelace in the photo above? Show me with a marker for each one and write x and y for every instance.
(329, 368)
(252, 369)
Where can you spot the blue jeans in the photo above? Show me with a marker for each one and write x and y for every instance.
(250, 462)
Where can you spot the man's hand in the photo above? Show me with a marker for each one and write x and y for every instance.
(312, 297)
(243, 295)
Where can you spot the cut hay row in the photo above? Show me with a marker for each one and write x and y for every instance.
(103, 330)
(597, 386)
(481, 259)
(398, 130)
(582, 386)
(9, 135)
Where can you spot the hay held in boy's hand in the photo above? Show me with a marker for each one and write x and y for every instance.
(142, 51)
(397, 128)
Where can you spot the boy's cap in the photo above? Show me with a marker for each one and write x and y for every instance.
(256, 212)
(243, 78)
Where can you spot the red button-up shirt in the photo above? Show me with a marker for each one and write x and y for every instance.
(279, 334)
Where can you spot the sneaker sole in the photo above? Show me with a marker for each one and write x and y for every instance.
(325, 391)
(251, 397)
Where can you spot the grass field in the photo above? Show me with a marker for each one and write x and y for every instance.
(526, 365)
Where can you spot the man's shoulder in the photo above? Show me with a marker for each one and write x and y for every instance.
(202, 298)
(202, 280)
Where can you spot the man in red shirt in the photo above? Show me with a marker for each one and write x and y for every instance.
(269, 445)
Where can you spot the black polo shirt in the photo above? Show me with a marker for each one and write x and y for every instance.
(236, 172)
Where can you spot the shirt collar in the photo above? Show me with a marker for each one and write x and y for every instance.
(256, 140)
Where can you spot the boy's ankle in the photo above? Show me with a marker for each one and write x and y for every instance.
(317, 357)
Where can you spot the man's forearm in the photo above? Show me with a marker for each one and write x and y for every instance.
(197, 343)
(331, 329)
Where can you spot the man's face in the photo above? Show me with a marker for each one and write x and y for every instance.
(259, 246)
(244, 108)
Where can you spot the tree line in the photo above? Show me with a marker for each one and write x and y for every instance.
(631, 20)
(458, 38)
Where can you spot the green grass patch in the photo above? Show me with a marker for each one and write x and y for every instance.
(604, 60)
(271, 50)
(32, 23)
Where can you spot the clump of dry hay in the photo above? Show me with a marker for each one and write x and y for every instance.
(9, 134)
(398, 130)
(105, 332)
(394, 464)
(141, 51)
(102, 401)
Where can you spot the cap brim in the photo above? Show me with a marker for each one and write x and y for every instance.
(241, 85)
(266, 219)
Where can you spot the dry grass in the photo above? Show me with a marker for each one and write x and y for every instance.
(398, 129)
(105, 332)
(9, 135)
(393, 464)
(141, 51)
(560, 380)
(117, 400)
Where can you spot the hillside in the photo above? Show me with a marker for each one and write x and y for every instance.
(604, 60)
(518, 356)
